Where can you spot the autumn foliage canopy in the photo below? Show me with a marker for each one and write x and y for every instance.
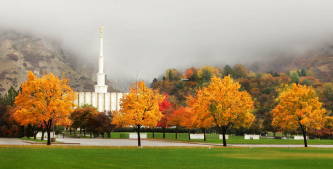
(299, 105)
(44, 101)
(299, 108)
(222, 104)
(140, 107)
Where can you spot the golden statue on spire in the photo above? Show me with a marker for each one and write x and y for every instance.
(101, 31)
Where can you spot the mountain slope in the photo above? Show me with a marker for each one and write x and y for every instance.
(20, 53)
(318, 62)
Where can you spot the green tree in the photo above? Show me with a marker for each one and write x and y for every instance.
(227, 70)
(8, 127)
(99, 123)
(294, 77)
(81, 116)
(9, 97)
(240, 71)
(172, 75)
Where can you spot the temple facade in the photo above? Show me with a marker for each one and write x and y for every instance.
(104, 102)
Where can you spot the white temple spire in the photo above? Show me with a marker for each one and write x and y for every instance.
(101, 87)
(101, 57)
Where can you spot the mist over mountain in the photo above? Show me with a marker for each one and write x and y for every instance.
(143, 38)
(20, 53)
(318, 61)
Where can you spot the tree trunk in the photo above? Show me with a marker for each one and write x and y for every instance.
(163, 132)
(48, 126)
(224, 131)
(204, 131)
(43, 131)
(24, 131)
(70, 131)
(176, 134)
(153, 133)
(27, 133)
(139, 139)
(34, 132)
(49, 136)
(189, 134)
(304, 136)
(84, 132)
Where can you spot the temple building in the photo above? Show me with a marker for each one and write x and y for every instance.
(103, 100)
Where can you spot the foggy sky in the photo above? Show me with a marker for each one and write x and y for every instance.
(149, 36)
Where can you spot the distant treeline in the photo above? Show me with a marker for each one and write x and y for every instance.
(263, 87)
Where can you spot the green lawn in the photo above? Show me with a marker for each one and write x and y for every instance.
(40, 157)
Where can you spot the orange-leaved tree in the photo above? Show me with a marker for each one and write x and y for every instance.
(223, 104)
(140, 107)
(299, 108)
(201, 120)
(184, 117)
(176, 118)
(45, 101)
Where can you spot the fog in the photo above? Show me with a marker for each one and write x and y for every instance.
(148, 36)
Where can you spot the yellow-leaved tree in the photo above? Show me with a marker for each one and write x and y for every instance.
(140, 107)
(223, 104)
(44, 101)
(299, 108)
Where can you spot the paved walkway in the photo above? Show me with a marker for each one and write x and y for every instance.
(103, 142)
(280, 145)
(12, 141)
(124, 142)
(153, 143)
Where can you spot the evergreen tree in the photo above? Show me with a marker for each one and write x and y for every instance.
(227, 70)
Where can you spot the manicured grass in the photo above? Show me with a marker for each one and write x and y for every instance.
(43, 157)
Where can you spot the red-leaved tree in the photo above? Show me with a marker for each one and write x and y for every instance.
(166, 108)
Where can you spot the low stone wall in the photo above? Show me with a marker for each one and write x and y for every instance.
(197, 136)
(39, 135)
(226, 137)
(300, 137)
(251, 137)
(135, 135)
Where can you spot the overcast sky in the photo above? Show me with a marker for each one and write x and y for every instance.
(149, 36)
